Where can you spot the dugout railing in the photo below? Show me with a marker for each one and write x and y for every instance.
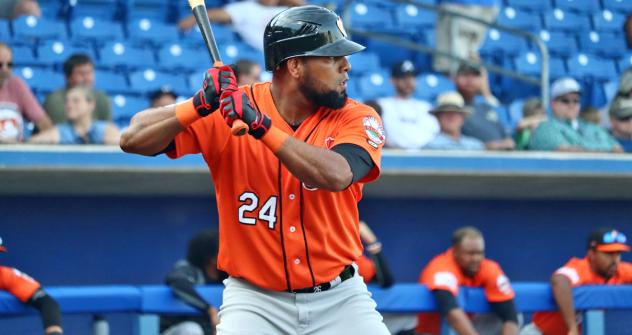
(149, 301)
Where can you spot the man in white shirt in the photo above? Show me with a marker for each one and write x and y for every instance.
(407, 121)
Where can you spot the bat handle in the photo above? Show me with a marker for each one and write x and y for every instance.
(239, 127)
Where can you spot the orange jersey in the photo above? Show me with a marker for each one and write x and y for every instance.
(579, 273)
(275, 231)
(366, 268)
(443, 273)
(17, 283)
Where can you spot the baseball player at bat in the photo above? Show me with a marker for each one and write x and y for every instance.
(287, 194)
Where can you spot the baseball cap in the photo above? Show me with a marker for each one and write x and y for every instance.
(2, 247)
(403, 68)
(625, 82)
(468, 68)
(608, 240)
(450, 102)
(621, 108)
(564, 86)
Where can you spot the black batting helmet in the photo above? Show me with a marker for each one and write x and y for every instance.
(305, 31)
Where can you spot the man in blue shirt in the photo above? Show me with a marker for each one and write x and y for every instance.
(565, 131)
(451, 113)
(621, 121)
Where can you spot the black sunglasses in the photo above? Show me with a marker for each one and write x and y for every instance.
(7, 64)
(625, 118)
(568, 101)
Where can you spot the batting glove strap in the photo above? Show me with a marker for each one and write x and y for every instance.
(237, 106)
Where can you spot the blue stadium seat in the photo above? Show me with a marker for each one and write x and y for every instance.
(506, 44)
(370, 16)
(559, 20)
(586, 66)
(519, 19)
(96, 29)
(352, 90)
(530, 63)
(233, 52)
(515, 112)
(124, 107)
(409, 16)
(537, 6)
(103, 9)
(175, 56)
(32, 28)
(51, 8)
(625, 62)
(5, 33)
(608, 21)
(23, 55)
(375, 85)
(152, 31)
(55, 52)
(559, 43)
(610, 89)
(145, 81)
(123, 54)
(580, 6)
(111, 82)
(158, 10)
(364, 62)
(623, 6)
(389, 53)
(604, 44)
(430, 85)
(223, 34)
(41, 80)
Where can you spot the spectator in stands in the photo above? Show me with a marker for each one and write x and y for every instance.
(472, 81)
(17, 102)
(451, 113)
(601, 266)
(247, 72)
(621, 121)
(591, 115)
(565, 131)
(30, 292)
(625, 84)
(247, 18)
(407, 121)
(373, 268)
(459, 36)
(627, 31)
(199, 268)
(162, 97)
(464, 264)
(533, 114)
(79, 71)
(10, 9)
(79, 128)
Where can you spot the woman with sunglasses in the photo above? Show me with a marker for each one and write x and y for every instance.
(565, 131)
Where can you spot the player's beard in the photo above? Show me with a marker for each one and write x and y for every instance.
(330, 99)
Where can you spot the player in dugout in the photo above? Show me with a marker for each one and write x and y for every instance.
(30, 292)
(287, 194)
(602, 265)
(464, 264)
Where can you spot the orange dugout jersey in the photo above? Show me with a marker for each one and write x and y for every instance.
(275, 231)
(578, 271)
(443, 273)
(17, 283)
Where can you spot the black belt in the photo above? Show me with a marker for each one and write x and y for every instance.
(346, 273)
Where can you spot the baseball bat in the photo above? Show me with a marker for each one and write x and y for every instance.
(201, 17)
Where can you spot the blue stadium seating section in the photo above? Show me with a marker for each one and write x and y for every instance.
(126, 37)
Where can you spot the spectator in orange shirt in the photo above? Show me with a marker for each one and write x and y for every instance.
(29, 291)
(601, 266)
(464, 264)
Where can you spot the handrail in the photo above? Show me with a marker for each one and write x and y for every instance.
(544, 76)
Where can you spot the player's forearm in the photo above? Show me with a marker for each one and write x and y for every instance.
(563, 294)
(459, 321)
(151, 131)
(316, 167)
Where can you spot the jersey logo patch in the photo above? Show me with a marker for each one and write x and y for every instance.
(502, 282)
(329, 142)
(374, 131)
